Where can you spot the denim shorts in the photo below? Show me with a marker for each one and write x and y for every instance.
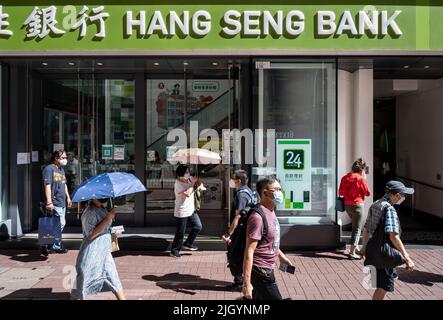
(385, 279)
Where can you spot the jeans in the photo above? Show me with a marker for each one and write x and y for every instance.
(196, 224)
(355, 212)
(264, 285)
(59, 212)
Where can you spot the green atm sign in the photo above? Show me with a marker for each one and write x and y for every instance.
(294, 159)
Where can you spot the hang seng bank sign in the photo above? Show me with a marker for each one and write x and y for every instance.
(200, 25)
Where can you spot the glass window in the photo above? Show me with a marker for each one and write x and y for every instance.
(298, 100)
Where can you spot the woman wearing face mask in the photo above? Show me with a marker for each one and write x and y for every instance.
(184, 211)
(354, 189)
(96, 270)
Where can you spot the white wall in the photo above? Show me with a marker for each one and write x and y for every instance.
(419, 117)
(355, 125)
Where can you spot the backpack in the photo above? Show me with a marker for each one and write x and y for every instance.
(237, 246)
(253, 198)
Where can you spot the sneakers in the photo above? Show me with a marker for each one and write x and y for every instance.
(191, 248)
(60, 251)
(175, 254)
(354, 256)
(44, 251)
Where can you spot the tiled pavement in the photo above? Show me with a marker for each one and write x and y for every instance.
(203, 275)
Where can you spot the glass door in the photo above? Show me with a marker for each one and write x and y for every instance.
(93, 120)
(298, 101)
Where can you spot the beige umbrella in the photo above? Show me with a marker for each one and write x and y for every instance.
(196, 156)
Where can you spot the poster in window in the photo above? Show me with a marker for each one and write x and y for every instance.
(294, 172)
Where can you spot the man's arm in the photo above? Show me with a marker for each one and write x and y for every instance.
(68, 198)
(284, 259)
(251, 245)
(48, 196)
(398, 244)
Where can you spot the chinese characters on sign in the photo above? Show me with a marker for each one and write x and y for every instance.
(294, 173)
(42, 22)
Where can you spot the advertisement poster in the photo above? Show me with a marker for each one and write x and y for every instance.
(107, 151)
(294, 172)
(119, 152)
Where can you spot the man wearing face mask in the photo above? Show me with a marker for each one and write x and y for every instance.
(394, 195)
(261, 254)
(243, 198)
(56, 193)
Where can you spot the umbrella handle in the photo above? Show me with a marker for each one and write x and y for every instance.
(112, 203)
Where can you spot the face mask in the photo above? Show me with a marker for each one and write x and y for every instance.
(232, 184)
(187, 176)
(400, 201)
(63, 162)
(278, 197)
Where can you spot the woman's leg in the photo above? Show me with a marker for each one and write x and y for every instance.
(196, 224)
(120, 295)
(359, 210)
(350, 211)
(179, 234)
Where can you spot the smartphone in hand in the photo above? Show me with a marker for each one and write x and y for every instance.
(287, 268)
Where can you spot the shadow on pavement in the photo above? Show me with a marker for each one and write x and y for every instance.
(123, 253)
(187, 283)
(326, 255)
(28, 256)
(419, 277)
(37, 293)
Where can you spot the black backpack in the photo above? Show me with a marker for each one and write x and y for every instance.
(237, 246)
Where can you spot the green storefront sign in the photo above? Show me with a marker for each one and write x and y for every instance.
(220, 25)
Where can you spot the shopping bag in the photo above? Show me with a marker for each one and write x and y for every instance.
(115, 246)
(340, 204)
(49, 230)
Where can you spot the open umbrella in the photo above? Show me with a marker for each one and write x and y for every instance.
(108, 185)
(196, 156)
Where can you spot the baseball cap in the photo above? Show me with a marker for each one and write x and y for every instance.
(395, 187)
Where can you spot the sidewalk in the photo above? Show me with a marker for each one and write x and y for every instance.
(203, 276)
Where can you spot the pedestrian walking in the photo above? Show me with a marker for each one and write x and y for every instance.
(184, 211)
(383, 211)
(260, 254)
(96, 270)
(354, 189)
(243, 198)
(56, 194)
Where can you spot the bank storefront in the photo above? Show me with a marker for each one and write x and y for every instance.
(108, 81)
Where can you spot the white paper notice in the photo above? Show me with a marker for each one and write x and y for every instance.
(23, 158)
(119, 152)
(59, 146)
(34, 156)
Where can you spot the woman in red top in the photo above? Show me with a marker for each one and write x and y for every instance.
(354, 189)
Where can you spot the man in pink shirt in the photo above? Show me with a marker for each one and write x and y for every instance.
(262, 253)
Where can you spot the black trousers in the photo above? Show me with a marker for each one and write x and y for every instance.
(196, 224)
(264, 285)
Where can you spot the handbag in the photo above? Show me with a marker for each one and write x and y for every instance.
(340, 204)
(49, 230)
(115, 246)
(380, 252)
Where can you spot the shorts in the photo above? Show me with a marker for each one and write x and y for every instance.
(385, 279)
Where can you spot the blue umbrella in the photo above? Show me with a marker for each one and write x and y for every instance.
(108, 185)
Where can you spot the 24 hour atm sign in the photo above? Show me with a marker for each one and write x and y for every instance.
(52, 21)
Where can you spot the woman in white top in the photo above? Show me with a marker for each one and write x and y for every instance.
(184, 211)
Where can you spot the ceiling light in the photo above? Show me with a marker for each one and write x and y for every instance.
(186, 63)
(406, 67)
(156, 64)
(427, 67)
(71, 63)
(215, 64)
(99, 63)
(44, 63)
